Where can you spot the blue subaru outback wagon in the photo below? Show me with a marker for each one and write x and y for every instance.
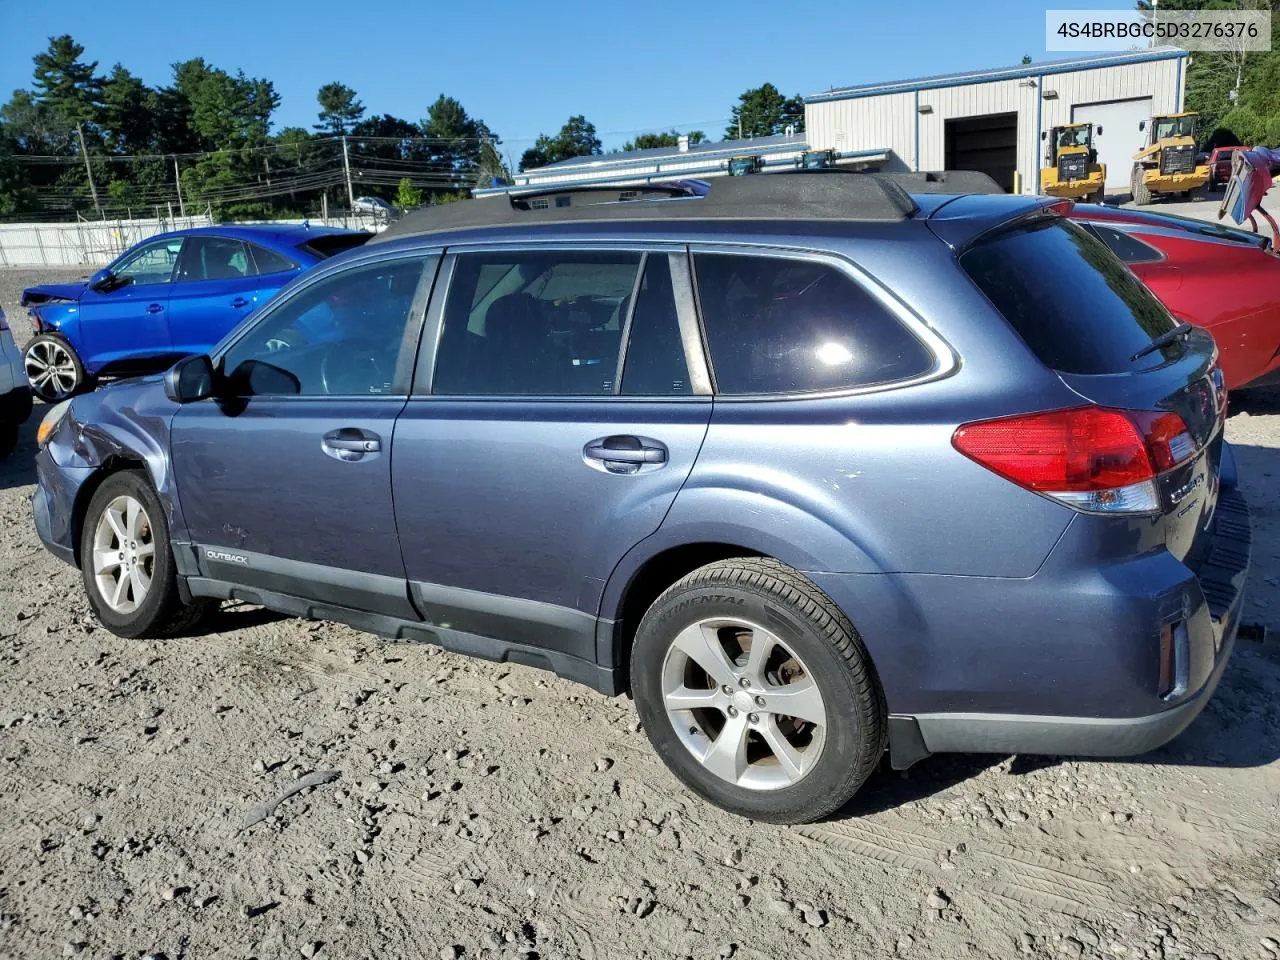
(812, 466)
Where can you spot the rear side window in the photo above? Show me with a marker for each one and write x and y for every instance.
(655, 364)
(213, 258)
(1073, 302)
(1127, 248)
(535, 324)
(777, 325)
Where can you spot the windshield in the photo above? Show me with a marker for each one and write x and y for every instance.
(1073, 137)
(1175, 127)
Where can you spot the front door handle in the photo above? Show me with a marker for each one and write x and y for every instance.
(624, 454)
(155, 308)
(350, 444)
(239, 302)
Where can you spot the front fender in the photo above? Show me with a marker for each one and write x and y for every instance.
(125, 423)
(60, 318)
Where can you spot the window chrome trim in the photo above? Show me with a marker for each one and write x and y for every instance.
(945, 360)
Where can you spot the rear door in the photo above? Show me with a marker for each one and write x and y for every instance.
(129, 320)
(548, 432)
(215, 287)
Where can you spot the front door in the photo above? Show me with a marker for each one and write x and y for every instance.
(538, 459)
(214, 289)
(285, 480)
(128, 321)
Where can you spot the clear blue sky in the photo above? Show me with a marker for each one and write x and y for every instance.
(525, 67)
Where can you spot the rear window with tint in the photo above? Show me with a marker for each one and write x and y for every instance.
(777, 325)
(1073, 302)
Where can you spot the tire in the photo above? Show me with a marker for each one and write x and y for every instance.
(1141, 195)
(1098, 195)
(53, 368)
(1198, 193)
(809, 645)
(149, 604)
(8, 438)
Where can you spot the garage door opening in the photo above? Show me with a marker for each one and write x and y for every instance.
(988, 143)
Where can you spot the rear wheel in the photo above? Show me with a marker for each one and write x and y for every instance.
(127, 562)
(1097, 195)
(1199, 193)
(1138, 187)
(756, 691)
(53, 369)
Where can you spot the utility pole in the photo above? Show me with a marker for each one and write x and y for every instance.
(346, 166)
(177, 182)
(88, 169)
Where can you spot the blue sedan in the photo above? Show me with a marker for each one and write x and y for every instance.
(171, 295)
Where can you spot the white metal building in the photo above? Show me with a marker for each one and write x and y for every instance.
(993, 120)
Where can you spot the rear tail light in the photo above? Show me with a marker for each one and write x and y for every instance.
(1094, 459)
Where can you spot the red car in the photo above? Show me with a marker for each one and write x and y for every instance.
(1220, 165)
(1220, 278)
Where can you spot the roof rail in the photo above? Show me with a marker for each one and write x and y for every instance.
(776, 196)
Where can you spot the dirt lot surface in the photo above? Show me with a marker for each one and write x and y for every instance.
(483, 810)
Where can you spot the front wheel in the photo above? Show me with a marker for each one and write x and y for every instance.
(53, 369)
(756, 691)
(1138, 187)
(127, 562)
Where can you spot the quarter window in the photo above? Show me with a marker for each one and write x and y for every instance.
(1127, 248)
(777, 325)
(347, 335)
(535, 324)
(150, 263)
(268, 261)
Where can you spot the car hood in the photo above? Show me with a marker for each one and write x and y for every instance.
(52, 291)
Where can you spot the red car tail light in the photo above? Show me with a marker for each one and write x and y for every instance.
(1091, 458)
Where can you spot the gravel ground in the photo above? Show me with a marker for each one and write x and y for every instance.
(484, 810)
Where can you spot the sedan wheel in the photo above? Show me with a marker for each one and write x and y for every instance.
(123, 554)
(743, 704)
(51, 369)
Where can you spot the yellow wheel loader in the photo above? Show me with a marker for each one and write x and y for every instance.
(1071, 167)
(1169, 164)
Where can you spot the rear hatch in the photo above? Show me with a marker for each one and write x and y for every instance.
(1088, 318)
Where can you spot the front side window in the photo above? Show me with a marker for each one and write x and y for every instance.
(777, 325)
(342, 336)
(150, 263)
(214, 258)
(527, 323)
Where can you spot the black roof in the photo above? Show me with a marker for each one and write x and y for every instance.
(810, 195)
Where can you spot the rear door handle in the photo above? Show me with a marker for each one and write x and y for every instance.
(349, 444)
(624, 454)
(155, 308)
(239, 302)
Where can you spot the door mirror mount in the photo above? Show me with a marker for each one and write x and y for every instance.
(190, 379)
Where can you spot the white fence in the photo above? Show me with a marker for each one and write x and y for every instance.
(94, 243)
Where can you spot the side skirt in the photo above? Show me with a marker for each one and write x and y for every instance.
(603, 679)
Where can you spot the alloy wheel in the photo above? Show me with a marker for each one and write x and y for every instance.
(51, 370)
(743, 703)
(124, 554)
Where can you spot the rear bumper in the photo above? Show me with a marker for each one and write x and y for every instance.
(15, 406)
(1066, 662)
